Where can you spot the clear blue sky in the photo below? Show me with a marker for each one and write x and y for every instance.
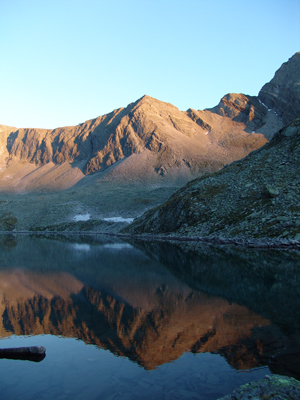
(66, 61)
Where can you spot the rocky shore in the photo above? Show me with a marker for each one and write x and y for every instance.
(271, 387)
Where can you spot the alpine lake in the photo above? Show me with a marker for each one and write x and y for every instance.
(135, 319)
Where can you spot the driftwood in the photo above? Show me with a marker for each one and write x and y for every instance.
(33, 353)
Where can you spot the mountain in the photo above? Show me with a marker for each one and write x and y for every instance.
(132, 159)
(282, 93)
(251, 199)
(149, 140)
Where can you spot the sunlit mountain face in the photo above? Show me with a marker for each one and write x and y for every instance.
(150, 302)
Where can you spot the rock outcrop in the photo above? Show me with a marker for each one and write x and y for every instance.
(271, 387)
(254, 198)
(282, 93)
(241, 108)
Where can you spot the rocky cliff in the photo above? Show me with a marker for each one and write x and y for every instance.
(254, 198)
(282, 93)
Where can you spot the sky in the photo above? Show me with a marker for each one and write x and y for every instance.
(67, 61)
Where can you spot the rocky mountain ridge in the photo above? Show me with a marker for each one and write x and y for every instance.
(252, 199)
(149, 140)
(166, 141)
(132, 159)
(282, 93)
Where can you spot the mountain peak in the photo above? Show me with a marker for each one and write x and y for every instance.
(242, 108)
(146, 99)
(282, 93)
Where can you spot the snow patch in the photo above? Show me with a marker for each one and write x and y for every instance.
(81, 217)
(264, 104)
(81, 247)
(269, 109)
(119, 219)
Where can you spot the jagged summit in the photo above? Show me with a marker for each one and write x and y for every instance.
(242, 108)
(282, 93)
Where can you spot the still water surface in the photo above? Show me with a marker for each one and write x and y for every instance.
(144, 320)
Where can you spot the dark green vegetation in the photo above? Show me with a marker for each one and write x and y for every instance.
(75, 226)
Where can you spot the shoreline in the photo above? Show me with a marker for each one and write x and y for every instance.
(264, 243)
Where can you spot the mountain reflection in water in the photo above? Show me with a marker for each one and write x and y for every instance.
(153, 301)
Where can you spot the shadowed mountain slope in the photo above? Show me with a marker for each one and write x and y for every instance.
(282, 93)
(254, 198)
(262, 203)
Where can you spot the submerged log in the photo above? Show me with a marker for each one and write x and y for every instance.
(33, 353)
